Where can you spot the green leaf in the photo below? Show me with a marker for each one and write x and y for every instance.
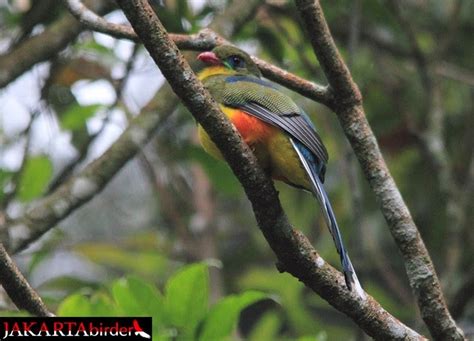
(187, 295)
(143, 262)
(137, 297)
(15, 313)
(102, 305)
(221, 320)
(267, 327)
(289, 293)
(76, 116)
(68, 284)
(34, 178)
(99, 304)
(74, 305)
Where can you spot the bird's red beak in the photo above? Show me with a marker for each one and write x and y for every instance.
(209, 58)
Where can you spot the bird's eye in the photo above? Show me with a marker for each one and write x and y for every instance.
(236, 62)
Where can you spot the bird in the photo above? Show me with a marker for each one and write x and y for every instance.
(280, 134)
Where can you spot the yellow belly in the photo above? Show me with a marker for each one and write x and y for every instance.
(207, 144)
(286, 165)
(206, 141)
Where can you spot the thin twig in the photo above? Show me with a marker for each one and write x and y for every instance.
(351, 169)
(448, 37)
(388, 46)
(422, 61)
(17, 287)
(84, 148)
(8, 197)
(45, 45)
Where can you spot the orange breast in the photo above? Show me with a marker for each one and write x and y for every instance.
(252, 129)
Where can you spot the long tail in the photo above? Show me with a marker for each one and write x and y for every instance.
(350, 276)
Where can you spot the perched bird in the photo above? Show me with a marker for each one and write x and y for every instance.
(281, 135)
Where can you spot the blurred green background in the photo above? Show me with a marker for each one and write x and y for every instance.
(174, 205)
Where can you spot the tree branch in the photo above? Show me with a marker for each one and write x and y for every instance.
(83, 149)
(45, 45)
(418, 265)
(205, 40)
(17, 288)
(343, 88)
(79, 189)
(294, 251)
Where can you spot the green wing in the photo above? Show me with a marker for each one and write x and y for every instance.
(260, 99)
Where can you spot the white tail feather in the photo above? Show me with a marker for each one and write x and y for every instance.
(352, 281)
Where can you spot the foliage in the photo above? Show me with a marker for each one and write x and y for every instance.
(180, 313)
(34, 177)
(77, 116)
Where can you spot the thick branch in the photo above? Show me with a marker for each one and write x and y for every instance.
(419, 267)
(17, 288)
(293, 250)
(305, 88)
(343, 88)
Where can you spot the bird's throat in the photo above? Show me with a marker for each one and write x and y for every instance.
(214, 70)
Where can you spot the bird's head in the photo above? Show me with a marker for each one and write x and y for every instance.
(232, 59)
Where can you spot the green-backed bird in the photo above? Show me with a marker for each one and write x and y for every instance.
(281, 135)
